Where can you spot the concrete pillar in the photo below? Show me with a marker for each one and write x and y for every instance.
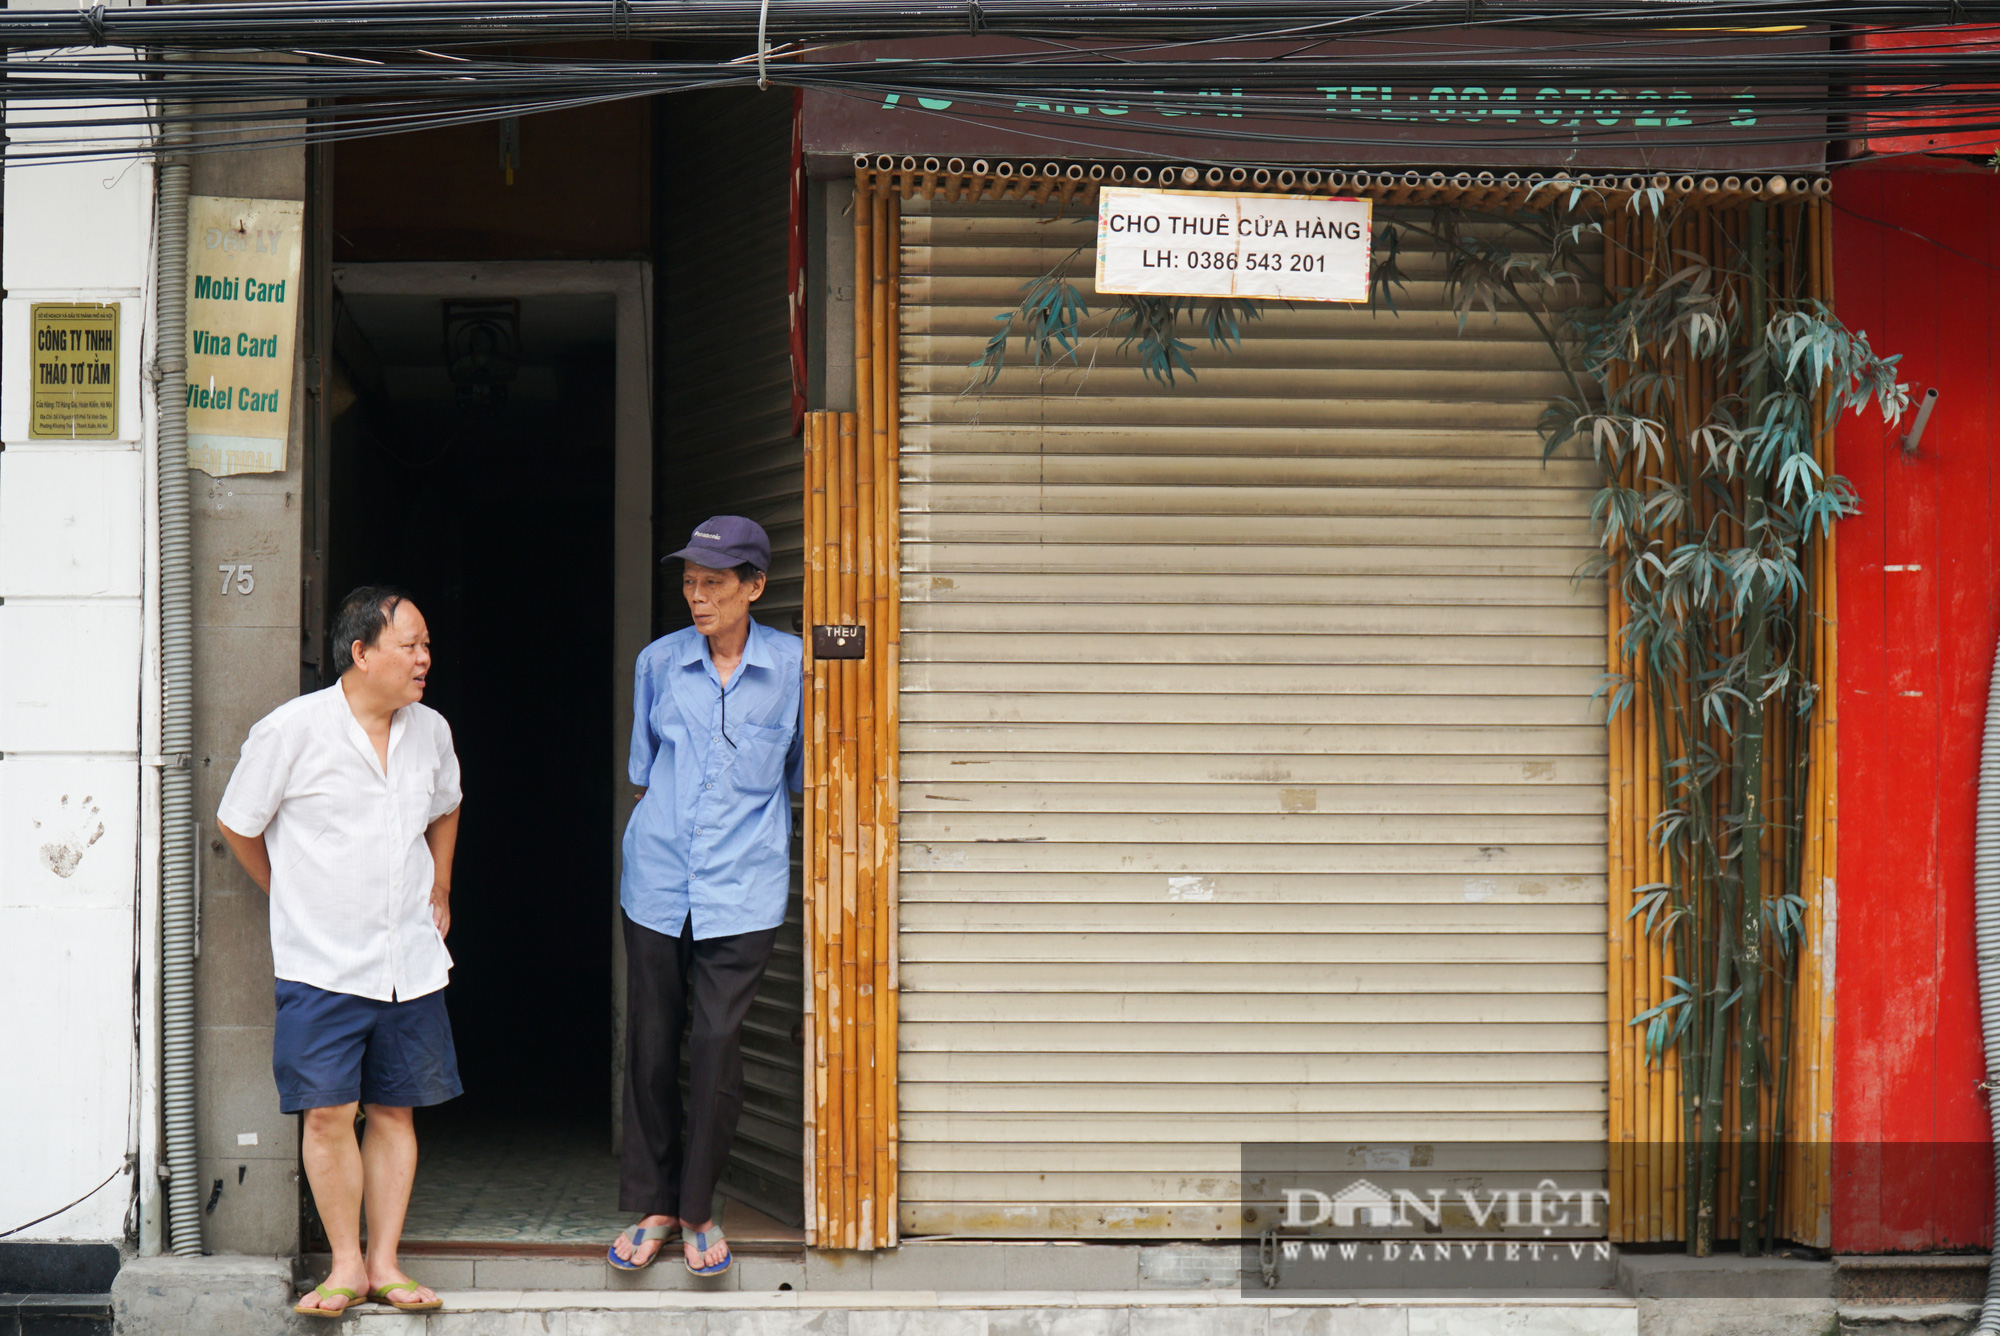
(246, 664)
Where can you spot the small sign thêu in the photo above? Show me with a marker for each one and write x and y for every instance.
(840, 642)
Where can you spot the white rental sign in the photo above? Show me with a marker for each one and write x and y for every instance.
(1194, 243)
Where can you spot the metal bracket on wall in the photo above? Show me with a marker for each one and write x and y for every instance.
(1916, 432)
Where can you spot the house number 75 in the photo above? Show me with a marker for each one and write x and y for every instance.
(237, 579)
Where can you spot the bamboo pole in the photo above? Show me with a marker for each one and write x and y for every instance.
(837, 991)
(853, 573)
(1640, 985)
(1618, 991)
(826, 884)
(1658, 1078)
(893, 782)
(1661, 1084)
(869, 603)
(1652, 958)
(850, 847)
(1675, 1222)
(853, 853)
(1802, 1218)
(1638, 813)
(867, 847)
(814, 822)
(888, 589)
(888, 547)
(854, 1127)
(1641, 268)
(1643, 993)
(1824, 765)
(827, 804)
(1623, 993)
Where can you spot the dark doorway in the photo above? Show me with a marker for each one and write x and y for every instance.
(499, 515)
(473, 464)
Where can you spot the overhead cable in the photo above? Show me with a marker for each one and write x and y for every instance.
(283, 24)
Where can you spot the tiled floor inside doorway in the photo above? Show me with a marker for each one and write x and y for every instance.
(536, 1189)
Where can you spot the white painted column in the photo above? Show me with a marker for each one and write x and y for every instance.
(76, 680)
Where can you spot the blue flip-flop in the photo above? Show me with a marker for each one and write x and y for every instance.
(638, 1236)
(703, 1241)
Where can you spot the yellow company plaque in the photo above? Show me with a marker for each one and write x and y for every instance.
(74, 381)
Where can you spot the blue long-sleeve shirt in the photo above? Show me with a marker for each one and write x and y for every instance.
(712, 836)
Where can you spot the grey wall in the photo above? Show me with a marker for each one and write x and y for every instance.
(246, 664)
(830, 340)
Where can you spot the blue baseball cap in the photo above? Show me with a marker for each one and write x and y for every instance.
(724, 542)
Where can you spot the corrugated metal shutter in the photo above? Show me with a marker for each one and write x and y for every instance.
(728, 448)
(1251, 783)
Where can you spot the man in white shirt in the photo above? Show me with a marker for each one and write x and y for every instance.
(344, 808)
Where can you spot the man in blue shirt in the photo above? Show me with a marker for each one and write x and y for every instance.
(717, 748)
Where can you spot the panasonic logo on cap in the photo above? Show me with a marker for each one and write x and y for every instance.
(716, 536)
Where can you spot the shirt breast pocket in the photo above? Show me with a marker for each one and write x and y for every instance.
(759, 763)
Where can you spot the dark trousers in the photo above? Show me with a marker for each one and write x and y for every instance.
(673, 1156)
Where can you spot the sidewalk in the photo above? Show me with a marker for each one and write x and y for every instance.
(988, 1289)
(1009, 1313)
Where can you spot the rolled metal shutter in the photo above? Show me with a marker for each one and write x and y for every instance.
(729, 448)
(1252, 787)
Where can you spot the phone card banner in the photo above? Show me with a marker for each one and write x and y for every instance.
(74, 381)
(243, 319)
(1197, 243)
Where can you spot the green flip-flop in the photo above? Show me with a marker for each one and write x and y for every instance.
(380, 1295)
(329, 1292)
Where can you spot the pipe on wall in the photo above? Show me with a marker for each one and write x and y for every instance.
(177, 832)
(1986, 941)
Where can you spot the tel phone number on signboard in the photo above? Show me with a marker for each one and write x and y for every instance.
(1270, 262)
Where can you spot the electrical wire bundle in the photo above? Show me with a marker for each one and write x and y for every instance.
(1316, 83)
(282, 26)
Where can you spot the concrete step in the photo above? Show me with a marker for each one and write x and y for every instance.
(976, 1265)
(1675, 1275)
(1008, 1313)
(979, 1266)
(1907, 1319)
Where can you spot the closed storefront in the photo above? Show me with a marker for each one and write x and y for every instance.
(1201, 751)
(1252, 784)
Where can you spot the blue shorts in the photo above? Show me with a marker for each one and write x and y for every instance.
(335, 1048)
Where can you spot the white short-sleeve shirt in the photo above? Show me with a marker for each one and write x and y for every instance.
(350, 872)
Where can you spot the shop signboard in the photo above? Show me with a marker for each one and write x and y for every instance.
(73, 386)
(243, 317)
(1196, 243)
(1502, 98)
